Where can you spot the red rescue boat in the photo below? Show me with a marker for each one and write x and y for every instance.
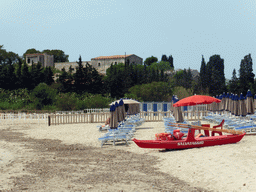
(175, 141)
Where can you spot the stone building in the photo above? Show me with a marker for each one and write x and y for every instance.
(102, 63)
(45, 59)
(67, 65)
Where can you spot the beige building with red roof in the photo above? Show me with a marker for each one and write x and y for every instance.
(45, 59)
(102, 63)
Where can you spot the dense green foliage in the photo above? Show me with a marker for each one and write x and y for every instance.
(120, 78)
(58, 55)
(33, 87)
(155, 91)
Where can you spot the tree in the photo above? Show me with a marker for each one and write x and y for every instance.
(7, 57)
(11, 77)
(170, 60)
(150, 60)
(187, 78)
(63, 80)
(79, 77)
(30, 51)
(25, 77)
(18, 74)
(246, 76)
(203, 75)
(59, 55)
(164, 58)
(162, 65)
(43, 95)
(155, 91)
(215, 75)
(48, 76)
(233, 85)
(36, 74)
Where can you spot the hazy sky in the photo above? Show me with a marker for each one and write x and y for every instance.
(185, 29)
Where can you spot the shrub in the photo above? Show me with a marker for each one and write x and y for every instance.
(66, 102)
(182, 92)
(155, 91)
(43, 95)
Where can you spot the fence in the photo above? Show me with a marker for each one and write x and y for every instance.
(11, 118)
(92, 110)
(57, 119)
(100, 117)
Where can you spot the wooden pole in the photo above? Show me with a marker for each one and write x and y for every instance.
(205, 128)
(49, 120)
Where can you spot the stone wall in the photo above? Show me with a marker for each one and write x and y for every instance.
(103, 64)
(100, 64)
(44, 59)
(66, 65)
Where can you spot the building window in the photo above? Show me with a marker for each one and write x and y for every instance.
(28, 60)
(98, 64)
(115, 63)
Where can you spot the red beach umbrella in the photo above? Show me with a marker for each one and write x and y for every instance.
(196, 100)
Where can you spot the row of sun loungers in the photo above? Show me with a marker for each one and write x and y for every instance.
(124, 131)
(169, 129)
(234, 122)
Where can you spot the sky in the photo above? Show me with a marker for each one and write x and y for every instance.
(185, 29)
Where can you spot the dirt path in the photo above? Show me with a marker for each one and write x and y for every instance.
(49, 165)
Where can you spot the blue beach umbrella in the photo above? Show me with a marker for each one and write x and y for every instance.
(113, 117)
(242, 106)
(121, 104)
(249, 103)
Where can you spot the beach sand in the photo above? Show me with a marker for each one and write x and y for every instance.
(69, 158)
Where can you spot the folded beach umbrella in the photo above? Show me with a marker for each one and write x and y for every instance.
(249, 103)
(236, 105)
(223, 102)
(255, 102)
(113, 117)
(227, 102)
(232, 104)
(122, 109)
(242, 106)
(118, 112)
(218, 104)
(174, 100)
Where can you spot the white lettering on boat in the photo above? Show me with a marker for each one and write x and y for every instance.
(191, 143)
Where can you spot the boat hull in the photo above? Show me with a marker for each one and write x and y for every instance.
(189, 143)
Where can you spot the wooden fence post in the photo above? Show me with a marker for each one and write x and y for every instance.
(49, 120)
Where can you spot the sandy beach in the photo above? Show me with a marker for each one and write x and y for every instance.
(69, 158)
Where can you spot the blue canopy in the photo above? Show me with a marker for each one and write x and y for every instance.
(121, 102)
(249, 94)
(241, 97)
(112, 108)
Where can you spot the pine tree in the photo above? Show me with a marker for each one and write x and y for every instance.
(164, 58)
(246, 76)
(48, 76)
(11, 77)
(79, 77)
(203, 77)
(170, 60)
(215, 75)
(25, 77)
(18, 74)
(234, 84)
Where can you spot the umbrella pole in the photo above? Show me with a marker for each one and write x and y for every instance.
(198, 114)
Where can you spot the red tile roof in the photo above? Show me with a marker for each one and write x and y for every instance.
(111, 57)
